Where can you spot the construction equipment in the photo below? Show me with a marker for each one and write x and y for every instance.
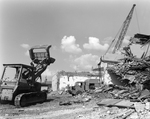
(21, 84)
(119, 41)
(123, 32)
(80, 87)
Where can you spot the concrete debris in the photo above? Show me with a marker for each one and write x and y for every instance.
(117, 103)
(65, 103)
(139, 107)
(131, 70)
(108, 113)
(119, 92)
(77, 100)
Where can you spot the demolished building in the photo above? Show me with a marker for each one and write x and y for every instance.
(130, 68)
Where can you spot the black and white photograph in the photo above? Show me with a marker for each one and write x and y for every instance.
(74, 59)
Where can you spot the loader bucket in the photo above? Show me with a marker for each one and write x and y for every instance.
(39, 53)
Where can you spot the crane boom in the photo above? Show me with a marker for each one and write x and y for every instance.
(124, 30)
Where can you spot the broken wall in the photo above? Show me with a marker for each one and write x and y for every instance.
(110, 77)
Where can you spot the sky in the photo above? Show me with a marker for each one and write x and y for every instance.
(80, 31)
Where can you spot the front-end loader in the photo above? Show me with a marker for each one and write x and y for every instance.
(21, 84)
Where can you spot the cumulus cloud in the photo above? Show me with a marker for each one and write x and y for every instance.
(124, 43)
(48, 73)
(126, 39)
(108, 40)
(26, 47)
(95, 44)
(85, 62)
(68, 44)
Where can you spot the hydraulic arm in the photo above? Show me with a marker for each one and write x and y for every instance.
(40, 59)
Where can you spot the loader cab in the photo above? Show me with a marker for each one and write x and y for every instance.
(11, 73)
(16, 73)
(15, 80)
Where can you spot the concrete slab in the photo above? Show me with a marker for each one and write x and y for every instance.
(144, 93)
(108, 102)
(125, 103)
(117, 103)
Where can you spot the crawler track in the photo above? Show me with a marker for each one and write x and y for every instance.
(26, 99)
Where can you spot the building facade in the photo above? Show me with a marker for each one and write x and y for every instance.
(63, 79)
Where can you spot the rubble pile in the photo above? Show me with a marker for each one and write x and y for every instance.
(78, 99)
(117, 102)
(133, 69)
(118, 92)
(103, 112)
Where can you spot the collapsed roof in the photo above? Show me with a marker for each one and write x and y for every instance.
(141, 39)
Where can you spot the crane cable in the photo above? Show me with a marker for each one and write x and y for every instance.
(113, 40)
(123, 31)
(137, 20)
(148, 46)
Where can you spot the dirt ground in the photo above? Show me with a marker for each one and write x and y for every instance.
(51, 109)
(47, 110)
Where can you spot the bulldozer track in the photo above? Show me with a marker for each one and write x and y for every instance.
(25, 99)
(17, 100)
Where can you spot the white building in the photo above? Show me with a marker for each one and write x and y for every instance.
(63, 79)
